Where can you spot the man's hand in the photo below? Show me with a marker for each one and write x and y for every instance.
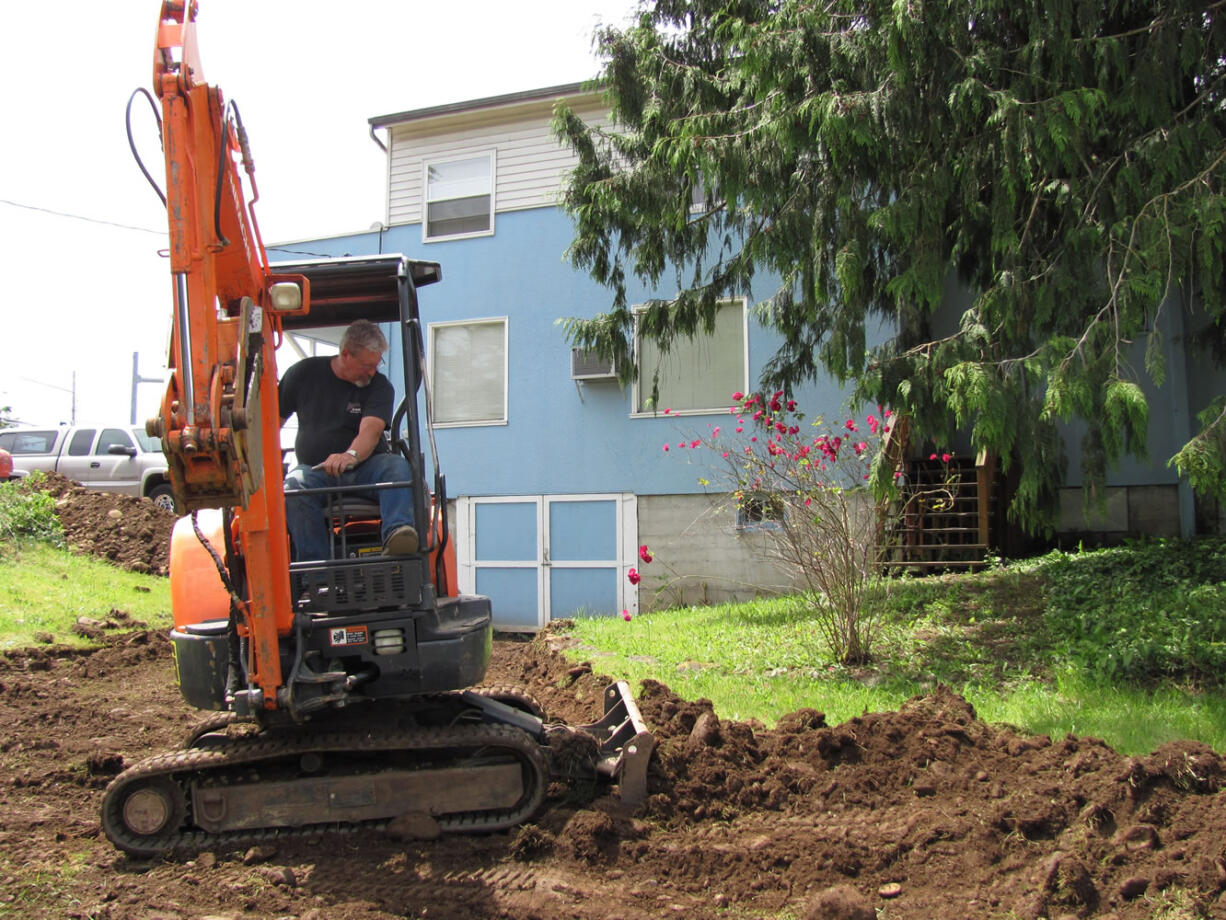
(335, 464)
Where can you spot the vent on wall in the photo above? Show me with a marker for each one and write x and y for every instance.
(587, 365)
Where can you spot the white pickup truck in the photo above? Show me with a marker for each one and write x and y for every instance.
(117, 459)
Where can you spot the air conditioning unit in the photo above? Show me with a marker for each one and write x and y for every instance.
(587, 365)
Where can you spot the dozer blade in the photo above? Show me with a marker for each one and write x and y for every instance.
(625, 743)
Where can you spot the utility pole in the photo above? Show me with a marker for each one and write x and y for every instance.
(137, 379)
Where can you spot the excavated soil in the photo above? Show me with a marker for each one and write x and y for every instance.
(926, 812)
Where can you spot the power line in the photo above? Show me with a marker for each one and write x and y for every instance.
(91, 220)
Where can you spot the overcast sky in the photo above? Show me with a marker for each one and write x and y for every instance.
(80, 229)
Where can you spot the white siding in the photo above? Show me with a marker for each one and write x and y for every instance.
(530, 160)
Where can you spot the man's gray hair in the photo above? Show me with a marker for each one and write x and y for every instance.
(363, 335)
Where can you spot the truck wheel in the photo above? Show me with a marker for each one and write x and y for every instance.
(164, 497)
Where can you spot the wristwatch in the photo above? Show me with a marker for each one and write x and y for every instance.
(353, 453)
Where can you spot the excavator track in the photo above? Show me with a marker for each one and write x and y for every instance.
(469, 778)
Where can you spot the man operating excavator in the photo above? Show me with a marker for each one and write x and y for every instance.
(343, 404)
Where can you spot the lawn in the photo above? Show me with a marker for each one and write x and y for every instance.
(1126, 644)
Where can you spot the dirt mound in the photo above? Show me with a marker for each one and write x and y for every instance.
(132, 533)
(925, 812)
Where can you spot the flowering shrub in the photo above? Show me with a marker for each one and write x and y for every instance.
(808, 484)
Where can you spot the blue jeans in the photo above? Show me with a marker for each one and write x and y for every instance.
(304, 514)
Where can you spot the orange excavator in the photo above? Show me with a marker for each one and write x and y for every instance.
(344, 693)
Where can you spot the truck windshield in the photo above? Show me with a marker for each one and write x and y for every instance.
(147, 444)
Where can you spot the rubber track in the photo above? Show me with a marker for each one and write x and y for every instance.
(198, 763)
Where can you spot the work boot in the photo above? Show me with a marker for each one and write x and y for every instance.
(401, 542)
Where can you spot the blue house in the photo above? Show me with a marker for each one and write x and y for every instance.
(557, 473)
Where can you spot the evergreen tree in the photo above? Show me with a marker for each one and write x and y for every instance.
(1062, 160)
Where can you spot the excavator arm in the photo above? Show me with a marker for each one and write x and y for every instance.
(219, 421)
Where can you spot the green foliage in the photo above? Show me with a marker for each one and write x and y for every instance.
(27, 512)
(1141, 613)
(1063, 161)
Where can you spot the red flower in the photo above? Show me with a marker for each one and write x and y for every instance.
(644, 554)
(626, 615)
(634, 576)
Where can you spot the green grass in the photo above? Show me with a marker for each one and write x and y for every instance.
(1118, 644)
(43, 590)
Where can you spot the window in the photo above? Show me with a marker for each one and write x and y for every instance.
(459, 197)
(116, 436)
(704, 198)
(698, 374)
(468, 372)
(759, 512)
(81, 442)
(147, 444)
(28, 442)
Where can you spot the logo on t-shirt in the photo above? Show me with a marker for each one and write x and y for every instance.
(354, 407)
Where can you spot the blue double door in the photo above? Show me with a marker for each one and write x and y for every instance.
(548, 556)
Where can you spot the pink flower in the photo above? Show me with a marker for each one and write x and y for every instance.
(725, 453)
(665, 448)
(791, 405)
(625, 614)
(932, 456)
(715, 432)
(739, 430)
(738, 395)
(666, 411)
(634, 576)
(695, 442)
(945, 458)
(644, 554)
(851, 424)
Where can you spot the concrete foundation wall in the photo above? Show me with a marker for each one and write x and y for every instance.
(700, 555)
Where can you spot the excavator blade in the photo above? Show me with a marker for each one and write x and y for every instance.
(625, 743)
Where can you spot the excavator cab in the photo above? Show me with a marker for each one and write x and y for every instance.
(364, 625)
(396, 625)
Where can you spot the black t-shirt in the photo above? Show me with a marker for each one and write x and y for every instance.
(329, 409)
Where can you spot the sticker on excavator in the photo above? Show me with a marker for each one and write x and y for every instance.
(348, 635)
